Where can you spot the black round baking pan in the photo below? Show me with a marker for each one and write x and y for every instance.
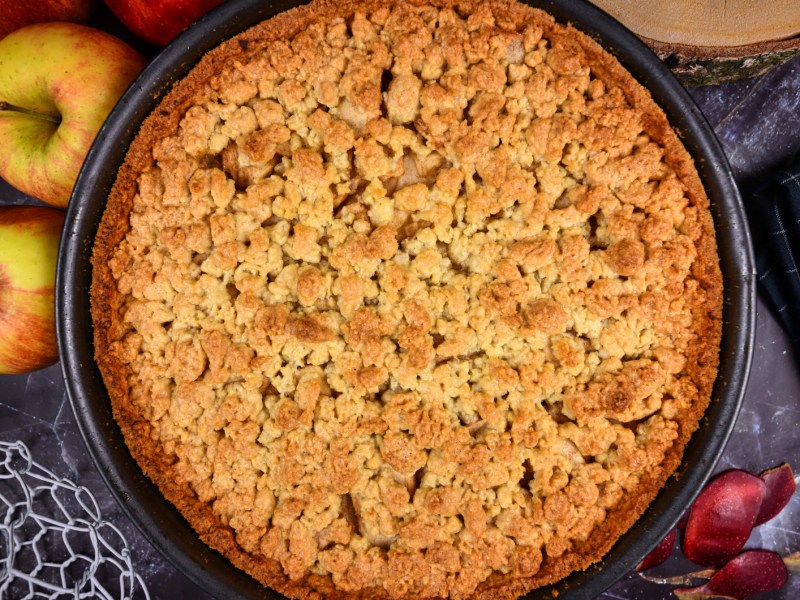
(165, 527)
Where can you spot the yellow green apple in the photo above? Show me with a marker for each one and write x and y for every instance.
(58, 82)
(29, 237)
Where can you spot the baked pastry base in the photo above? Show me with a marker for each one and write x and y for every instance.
(108, 303)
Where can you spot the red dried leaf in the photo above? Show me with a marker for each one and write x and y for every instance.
(659, 554)
(780, 488)
(722, 517)
(752, 572)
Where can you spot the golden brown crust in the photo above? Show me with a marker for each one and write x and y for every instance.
(656, 225)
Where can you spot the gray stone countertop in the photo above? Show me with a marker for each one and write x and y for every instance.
(758, 123)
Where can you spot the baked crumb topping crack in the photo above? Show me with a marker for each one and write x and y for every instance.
(398, 299)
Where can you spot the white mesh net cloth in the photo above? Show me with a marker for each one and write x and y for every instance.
(55, 543)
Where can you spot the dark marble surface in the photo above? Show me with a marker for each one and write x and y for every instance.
(758, 122)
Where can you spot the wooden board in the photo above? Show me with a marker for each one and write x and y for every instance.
(711, 41)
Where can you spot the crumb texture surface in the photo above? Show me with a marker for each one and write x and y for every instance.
(404, 300)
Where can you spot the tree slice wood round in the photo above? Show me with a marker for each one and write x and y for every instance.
(711, 41)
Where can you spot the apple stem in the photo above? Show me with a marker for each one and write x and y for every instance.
(13, 107)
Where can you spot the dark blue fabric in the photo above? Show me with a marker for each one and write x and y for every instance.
(773, 211)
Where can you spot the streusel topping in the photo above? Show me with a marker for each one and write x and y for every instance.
(408, 298)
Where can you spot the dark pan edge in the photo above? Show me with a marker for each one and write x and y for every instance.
(167, 529)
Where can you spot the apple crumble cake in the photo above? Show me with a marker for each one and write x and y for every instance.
(401, 299)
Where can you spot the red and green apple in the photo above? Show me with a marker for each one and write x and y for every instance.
(158, 21)
(15, 14)
(58, 82)
(29, 237)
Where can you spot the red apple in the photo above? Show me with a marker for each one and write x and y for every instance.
(158, 21)
(58, 82)
(15, 14)
(29, 237)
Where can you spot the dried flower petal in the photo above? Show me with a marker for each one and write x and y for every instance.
(659, 554)
(722, 518)
(752, 572)
(780, 488)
